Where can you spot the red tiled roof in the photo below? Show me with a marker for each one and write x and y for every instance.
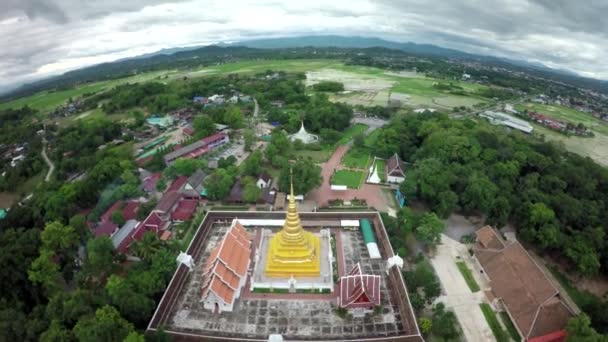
(153, 223)
(178, 184)
(526, 292)
(107, 216)
(227, 264)
(129, 212)
(394, 166)
(188, 131)
(165, 235)
(184, 211)
(150, 181)
(359, 290)
(167, 202)
(106, 228)
(556, 336)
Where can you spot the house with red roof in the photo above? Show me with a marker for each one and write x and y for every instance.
(395, 169)
(129, 211)
(359, 293)
(225, 272)
(153, 223)
(149, 184)
(197, 148)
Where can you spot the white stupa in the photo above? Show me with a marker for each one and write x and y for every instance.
(303, 136)
(374, 178)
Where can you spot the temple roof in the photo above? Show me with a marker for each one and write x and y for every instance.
(359, 290)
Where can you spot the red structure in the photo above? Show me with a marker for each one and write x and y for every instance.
(359, 292)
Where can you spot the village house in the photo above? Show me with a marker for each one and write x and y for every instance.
(225, 272)
(264, 181)
(395, 169)
(198, 148)
(520, 287)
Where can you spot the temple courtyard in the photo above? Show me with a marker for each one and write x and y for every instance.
(296, 316)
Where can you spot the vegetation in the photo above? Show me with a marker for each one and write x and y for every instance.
(356, 158)
(328, 86)
(510, 326)
(500, 334)
(422, 284)
(468, 276)
(352, 179)
(445, 324)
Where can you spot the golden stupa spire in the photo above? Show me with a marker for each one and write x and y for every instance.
(293, 251)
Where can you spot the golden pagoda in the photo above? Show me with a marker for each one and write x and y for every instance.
(293, 251)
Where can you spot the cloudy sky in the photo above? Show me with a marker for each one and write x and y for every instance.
(39, 38)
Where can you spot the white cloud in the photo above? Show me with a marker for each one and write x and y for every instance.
(44, 37)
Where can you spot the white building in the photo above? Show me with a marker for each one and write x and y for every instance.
(507, 120)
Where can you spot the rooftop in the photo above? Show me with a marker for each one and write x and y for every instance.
(528, 295)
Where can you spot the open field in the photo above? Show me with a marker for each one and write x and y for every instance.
(380, 165)
(352, 179)
(356, 158)
(567, 114)
(47, 100)
(367, 85)
(595, 148)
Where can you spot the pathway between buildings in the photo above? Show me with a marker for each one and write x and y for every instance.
(458, 296)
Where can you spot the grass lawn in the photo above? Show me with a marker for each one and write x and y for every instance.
(497, 330)
(317, 156)
(350, 132)
(468, 276)
(510, 327)
(356, 158)
(352, 179)
(370, 140)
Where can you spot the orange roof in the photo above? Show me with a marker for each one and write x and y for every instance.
(228, 263)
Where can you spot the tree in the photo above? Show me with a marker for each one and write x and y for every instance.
(253, 165)
(479, 193)
(429, 229)
(100, 256)
(219, 183)
(249, 138)
(134, 337)
(161, 185)
(118, 218)
(233, 117)
(579, 330)
(359, 140)
(329, 136)
(79, 224)
(203, 126)
(445, 324)
(45, 271)
(134, 305)
(147, 246)
(306, 176)
(425, 325)
(183, 167)
(251, 192)
(56, 332)
(106, 325)
(58, 238)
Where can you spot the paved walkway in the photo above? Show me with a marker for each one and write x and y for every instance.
(372, 193)
(458, 296)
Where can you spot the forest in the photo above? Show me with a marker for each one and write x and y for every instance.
(556, 199)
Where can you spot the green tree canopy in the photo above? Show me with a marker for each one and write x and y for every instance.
(306, 176)
(107, 326)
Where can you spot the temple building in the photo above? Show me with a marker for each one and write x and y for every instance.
(225, 272)
(293, 258)
(303, 136)
(293, 251)
(359, 293)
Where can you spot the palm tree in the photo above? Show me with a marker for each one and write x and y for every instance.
(147, 247)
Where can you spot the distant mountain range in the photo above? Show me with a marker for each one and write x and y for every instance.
(184, 55)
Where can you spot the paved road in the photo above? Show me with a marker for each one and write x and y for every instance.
(48, 161)
(458, 296)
